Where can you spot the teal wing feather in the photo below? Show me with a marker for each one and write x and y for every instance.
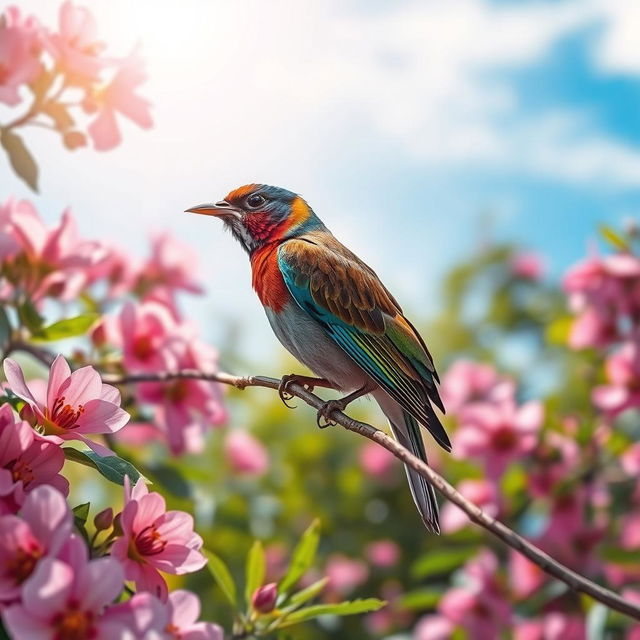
(355, 309)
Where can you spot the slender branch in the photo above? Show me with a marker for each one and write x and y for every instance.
(498, 529)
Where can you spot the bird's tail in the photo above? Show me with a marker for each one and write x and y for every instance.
(407, 432)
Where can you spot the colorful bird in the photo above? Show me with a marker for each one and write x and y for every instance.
(330, 310)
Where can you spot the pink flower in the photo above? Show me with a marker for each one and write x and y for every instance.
(40, 529)
(553, 458)
(118, 270)
(376, 460)
(498, 434)
(245, 454)
(264, 598)
(19, 54)
(66, 597)
(383, 553)
(73, 405)
(479, 606)
(604, 292)
(481, 492)
(155, 540)
(631, 460)
(623, 372)
(26, 462)
(525, 576)
(142, 617)
(553, 626)
(184, 611)
(52, 262)
(527, 265)
(468, 382)
(171, 268)
(118, 97)
(185, 409)
(76, 46)
(434, 627)
(149, 338)
(345, 574)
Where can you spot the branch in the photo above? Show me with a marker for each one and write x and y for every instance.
(574, 580)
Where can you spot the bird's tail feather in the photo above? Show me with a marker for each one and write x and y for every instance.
(407, 432)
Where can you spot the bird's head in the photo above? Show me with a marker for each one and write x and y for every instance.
(258, 214)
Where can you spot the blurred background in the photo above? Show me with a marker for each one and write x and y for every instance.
(468, 150)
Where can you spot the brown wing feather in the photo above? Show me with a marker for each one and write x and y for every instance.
(342, 283)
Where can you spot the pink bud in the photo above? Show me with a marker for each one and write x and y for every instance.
(104, 519)
(264, 598)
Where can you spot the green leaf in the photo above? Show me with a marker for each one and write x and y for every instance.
(256, 569)
(441, 561)
(171, 479)
(67, 328)
(303, 556)
(5, 328)
(30, 317)
(621, 556)
(613, 238)
(112, 468)
(222, 576)
(81, 512)
(20, 158)
(342, 609)
(299, 598)
(420, 599)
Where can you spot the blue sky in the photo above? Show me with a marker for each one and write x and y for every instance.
(402, 123)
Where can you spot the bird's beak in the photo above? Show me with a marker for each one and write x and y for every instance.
(219, 209)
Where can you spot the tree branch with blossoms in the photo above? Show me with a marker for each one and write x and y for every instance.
(574, 580)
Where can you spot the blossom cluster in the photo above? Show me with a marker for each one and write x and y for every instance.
(54, 582)
(68, 81)
(604, 293)
(41, 264)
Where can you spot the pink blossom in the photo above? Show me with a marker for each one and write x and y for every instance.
(26, 462)
(525, 576)
(345, 574)
(50, 262)
(603, 292)
(479, 606)
(433, 627)
(171, 268)
(383, 553)
(630, 460)
(467, 382)
(184, 611)
(553, 626)
(66, 596)
(118, 97)
(19, 54)
(155, 540)
(264, 598)
(623, 373)
(185, 409)
(527, 265)
(555, 457)
(498, 434)
(149, 338)
(245, 454)
(481, 492)
(118, 270)
(76, 46)
(41, 527)
(142, 617)
(376, 460)
(74, 404)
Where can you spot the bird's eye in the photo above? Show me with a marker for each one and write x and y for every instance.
(255, 201)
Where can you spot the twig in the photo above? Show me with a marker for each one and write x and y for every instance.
(498, 529)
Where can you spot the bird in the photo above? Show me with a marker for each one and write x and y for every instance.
(333, 314)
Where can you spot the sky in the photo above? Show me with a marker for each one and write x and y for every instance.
(406, 125)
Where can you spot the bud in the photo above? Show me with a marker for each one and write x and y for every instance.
(74, 139)
(28, 415)
(117, 527)
(104, 519)
(264, 598)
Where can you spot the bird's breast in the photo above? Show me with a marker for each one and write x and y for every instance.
(267, 279)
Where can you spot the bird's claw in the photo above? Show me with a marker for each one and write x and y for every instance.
(285, 395)
(325, 411)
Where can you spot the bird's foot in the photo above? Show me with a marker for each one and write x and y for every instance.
(325, 411)
(308, 382)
